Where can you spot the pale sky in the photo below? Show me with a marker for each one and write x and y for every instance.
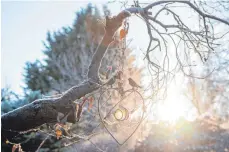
(24, 27)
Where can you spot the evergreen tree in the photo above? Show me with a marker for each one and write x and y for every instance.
(36, 77)
(68, 54)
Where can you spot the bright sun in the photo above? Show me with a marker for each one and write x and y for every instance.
(175, 105)
(171, 110)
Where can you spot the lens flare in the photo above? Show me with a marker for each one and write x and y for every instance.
(118, 114)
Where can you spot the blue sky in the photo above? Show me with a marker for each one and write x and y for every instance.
(24, 27)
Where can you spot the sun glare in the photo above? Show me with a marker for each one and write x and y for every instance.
(171, 111)
(175, 106)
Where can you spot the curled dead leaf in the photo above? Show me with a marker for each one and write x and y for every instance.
(17, 146)
(58, 133)
(122, 34)
(90, 103)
